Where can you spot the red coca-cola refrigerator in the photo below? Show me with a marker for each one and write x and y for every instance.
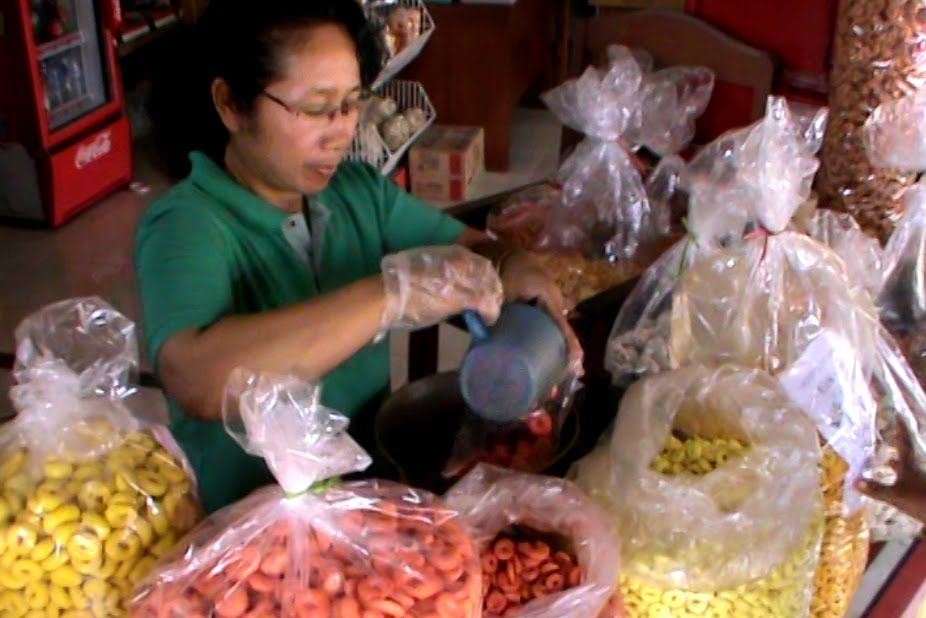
(64, 137)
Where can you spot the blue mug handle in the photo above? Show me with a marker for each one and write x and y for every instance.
(476, 325)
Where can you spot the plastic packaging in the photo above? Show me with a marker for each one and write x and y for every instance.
(745, 532)
(902, 300)
(491, 500)
(313, 546)
(605, 212)
(784, 304)
(748, 178)
(522, 218)
(861, 253)
(844, 548)
(91, 495)
(423, 286)
(863, 257)
(895, 133)
(877, 58)
(671, 100)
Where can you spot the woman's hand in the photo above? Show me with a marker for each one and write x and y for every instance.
(525, 279)
(426, 285)
(908, 494)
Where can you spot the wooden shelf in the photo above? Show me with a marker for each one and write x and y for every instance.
(61, 44)
(134, 45)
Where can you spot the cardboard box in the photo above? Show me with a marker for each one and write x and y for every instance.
(444, 162)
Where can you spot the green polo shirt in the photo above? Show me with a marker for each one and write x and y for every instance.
(210, 248)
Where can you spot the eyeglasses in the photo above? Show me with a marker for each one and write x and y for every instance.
(328, 112)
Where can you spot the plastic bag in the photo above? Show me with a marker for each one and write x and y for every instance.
(744, 530)
(91, 496)
(605, 212)
(529, 444)
(861, 253)
(844, 547)
(895, 133)
(902, 300)
(755, 177)
(747, 178)
(671, 100)
(521, 221)
(784, 304)
(521, 218)
(877, 57)
(313, 546)
(491, 500)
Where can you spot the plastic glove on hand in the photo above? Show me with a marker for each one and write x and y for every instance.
(426, 285)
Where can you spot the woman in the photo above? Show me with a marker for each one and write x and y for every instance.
(276, 256)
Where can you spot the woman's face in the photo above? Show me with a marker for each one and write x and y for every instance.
(298, 132)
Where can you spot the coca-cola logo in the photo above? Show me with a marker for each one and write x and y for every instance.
(96, 149)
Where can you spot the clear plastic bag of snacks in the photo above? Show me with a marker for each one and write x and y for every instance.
(784, 304)
(312, 546)
(91, 495)
(751, 177)
(604, 211)
(861, 253)
(712, 475)
(877, 59)
(522, 218)
(671, 100)
(895, 133)
(561, 545)
(863, 256)
(902, 301)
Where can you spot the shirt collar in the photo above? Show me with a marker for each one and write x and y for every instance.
(251, 209)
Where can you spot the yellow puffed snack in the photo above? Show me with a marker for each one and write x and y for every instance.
(89, 497)
(844, 551)
(90, 541)
(785, 593)
(713, 477)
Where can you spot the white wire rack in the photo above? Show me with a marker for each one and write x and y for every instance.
(368, 144)
(401, 59)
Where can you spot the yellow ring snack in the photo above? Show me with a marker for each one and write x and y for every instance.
(75, 536)
(713, 477)
(58, 470)
(37, 595)
(844, 551)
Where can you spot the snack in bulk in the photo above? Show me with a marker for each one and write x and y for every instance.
(877, 59)
(895, 135)
(527, 444)
(712, 476)
(862, 256)
(599, 212)
(522, 219)
(786, 303)
(313, 546)
(547, 550)
(746, 178)
(91, 496)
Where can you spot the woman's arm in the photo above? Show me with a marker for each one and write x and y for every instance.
(311, 338)
(417, 288)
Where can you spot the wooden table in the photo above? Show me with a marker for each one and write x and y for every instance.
(481, 61)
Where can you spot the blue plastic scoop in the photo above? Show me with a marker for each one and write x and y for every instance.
(513, 365)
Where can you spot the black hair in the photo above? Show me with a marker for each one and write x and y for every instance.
(242, 42)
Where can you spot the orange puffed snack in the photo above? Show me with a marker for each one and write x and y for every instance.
(313, 547)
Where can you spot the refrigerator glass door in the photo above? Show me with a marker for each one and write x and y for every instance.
(72, 65)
